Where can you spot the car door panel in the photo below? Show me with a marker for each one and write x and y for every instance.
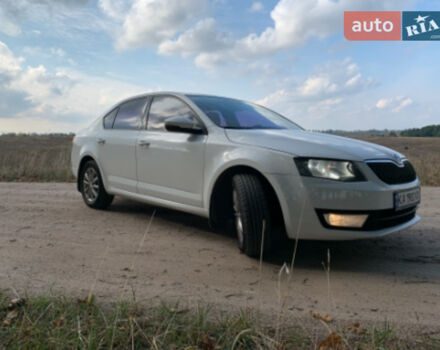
(117, 145)
(117, 156)
(170, 165)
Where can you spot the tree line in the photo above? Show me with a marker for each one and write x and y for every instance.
(426, 131)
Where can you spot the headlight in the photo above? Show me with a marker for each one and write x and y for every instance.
(339, 170)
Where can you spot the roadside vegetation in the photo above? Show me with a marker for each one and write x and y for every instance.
(426, 131)
(38, 158)
(423, 152)
(62, 323)
(47, 157)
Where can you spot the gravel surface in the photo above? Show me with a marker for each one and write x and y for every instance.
(51, 242)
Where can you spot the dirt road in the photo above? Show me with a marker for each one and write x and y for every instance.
(50, 241)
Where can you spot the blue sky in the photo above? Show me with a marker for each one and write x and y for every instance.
(63, 63)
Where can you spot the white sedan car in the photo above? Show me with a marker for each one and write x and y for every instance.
(244, 166)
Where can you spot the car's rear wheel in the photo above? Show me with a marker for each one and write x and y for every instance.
(92, 188)
(250, 208)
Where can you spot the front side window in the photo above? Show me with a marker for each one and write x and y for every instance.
(235, 114)
(164, 107)
(109, 119)
(130, 114)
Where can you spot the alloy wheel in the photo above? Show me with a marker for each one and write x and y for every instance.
(91, 185)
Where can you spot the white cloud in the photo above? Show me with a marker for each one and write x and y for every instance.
(256, 6)
(9, 64)
(150, 22)
(44, 52)
(320, 93)
(64, 99)
(13, 12)
(405, 103)
(202, 37)
(210, 61)
(382, 103)
(294, 23)
(333, 78)
(115, 9)
(56, 51)
(317, 85)
(172, 25)
(157, 22)
(41, 85)
(353, 80)
(395, 104)
(297, 21)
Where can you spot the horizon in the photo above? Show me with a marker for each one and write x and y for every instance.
(335, 131)
(64, 63)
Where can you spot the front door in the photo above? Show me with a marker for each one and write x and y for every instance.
(170, 165)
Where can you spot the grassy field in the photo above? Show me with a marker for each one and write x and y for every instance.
(60, 323)
(423, 152)
(35, 158)
(47, 158)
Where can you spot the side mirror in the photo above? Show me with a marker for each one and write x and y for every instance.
(183, 124)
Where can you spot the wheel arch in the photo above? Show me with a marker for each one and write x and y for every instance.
(220, 198)
(83, 161)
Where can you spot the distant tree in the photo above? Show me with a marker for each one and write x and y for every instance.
(426, 131)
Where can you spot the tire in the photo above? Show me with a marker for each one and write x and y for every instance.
(92, 187)
(250, 210)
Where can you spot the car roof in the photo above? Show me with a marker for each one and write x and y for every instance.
(173, 93)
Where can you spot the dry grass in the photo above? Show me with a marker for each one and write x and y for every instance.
(423, 152)
(35, 158)
(47, 158)
(64, 323)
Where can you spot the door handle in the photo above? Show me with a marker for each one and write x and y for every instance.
(100, 141)
(143, 143)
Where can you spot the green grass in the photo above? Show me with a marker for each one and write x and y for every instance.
(63, 323)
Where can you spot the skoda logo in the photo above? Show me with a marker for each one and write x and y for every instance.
(398, 159)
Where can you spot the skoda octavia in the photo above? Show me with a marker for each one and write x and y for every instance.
(245, 167)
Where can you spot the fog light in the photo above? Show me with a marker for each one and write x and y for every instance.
(345, 220)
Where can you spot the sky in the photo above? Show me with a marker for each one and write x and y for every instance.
(63, 63)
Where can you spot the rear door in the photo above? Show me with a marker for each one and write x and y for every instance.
(117, 144)
(170, 164)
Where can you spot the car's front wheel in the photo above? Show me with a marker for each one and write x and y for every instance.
(92, 188)
(251, 209)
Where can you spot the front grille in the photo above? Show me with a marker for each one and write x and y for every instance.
(388, 218)
(391, 173)
(377, 219)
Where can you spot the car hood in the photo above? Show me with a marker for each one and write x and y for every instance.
(311, 144)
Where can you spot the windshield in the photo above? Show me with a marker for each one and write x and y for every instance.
(235, 114)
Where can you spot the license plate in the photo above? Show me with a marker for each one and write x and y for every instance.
(405, 199)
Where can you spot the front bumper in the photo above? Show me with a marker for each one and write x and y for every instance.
(305, 199)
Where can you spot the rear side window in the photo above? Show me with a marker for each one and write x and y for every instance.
(130, 114)
(164, 107)
(109, 119)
